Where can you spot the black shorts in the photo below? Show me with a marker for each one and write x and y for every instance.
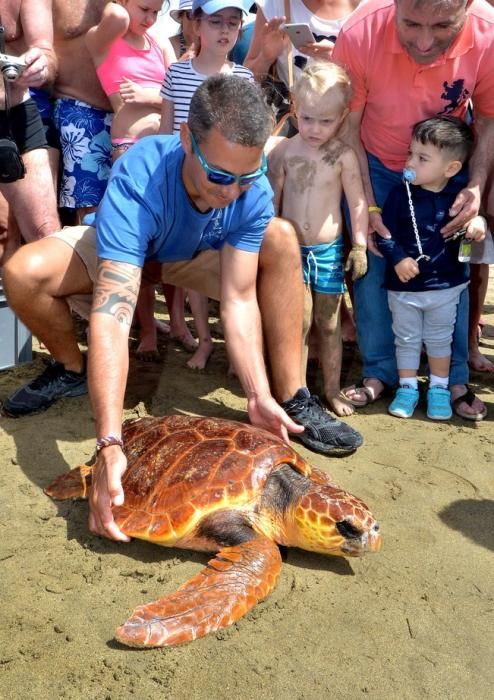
(25, 125)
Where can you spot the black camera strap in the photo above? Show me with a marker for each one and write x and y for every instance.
(6, 86)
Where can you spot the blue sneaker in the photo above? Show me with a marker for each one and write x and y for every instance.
(439, 403)
(52, 384)
(404, 402)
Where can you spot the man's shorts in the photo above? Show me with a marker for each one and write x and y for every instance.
(84, 133)
(26, 126)
(46, 105)
(202, 273)
(322, 267)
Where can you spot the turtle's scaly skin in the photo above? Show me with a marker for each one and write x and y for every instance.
(226, 487)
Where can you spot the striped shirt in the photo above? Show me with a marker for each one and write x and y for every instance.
(180, 83)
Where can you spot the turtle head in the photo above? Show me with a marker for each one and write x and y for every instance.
(328, 520)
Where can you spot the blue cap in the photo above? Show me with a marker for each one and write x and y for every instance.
(209, 7)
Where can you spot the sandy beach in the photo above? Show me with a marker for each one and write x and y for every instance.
(413, 621)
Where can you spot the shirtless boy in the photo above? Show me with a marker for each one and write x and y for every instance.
(32, 201)
(309, 173)
(83, 113)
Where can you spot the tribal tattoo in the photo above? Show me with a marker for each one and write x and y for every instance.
(116, 290)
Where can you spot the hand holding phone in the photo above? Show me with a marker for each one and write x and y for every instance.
(299, 34)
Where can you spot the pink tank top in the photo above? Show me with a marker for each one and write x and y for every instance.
(144, 66)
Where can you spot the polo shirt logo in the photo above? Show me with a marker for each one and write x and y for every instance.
(456, 93)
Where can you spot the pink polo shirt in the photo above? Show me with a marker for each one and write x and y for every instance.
(394, 92)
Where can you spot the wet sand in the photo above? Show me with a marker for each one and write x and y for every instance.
(414, 621)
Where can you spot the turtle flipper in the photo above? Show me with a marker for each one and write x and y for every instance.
(73, 484)
(230, 585)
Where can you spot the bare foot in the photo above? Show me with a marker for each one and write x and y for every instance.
(147, 350)
(361, 396)
(161, 326)
(340, 405)
(148, 355)
(185, 339)
(201, 356)
(478, 362)
(471, 408)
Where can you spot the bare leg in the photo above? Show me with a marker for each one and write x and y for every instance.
(199, 305)
(179, 331)
(479, 280)
(348, 330)
(327, 320)
(306, 331)
(148, 340)
(280, 294)
(439, 366)
(31, 221)
(36, 280)
(32, 200)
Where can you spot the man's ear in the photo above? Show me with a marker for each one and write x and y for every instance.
(453, 168)
(185, 138)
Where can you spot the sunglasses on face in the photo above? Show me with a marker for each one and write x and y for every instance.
(222, 177)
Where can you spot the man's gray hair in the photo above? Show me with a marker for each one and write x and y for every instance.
(235, 107)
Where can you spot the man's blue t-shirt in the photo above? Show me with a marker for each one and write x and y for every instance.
(146, 214)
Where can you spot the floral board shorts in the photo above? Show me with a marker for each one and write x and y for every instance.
(322, 267)
(86, 152)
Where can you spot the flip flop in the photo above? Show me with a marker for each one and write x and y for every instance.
(468, 397)
(370, 396)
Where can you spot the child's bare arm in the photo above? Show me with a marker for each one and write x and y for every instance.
(353, 188)
(276, 173)
(167, 117)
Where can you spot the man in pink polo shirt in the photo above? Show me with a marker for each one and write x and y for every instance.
(409, 60)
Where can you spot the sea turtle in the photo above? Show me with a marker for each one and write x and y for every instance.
(220, 486)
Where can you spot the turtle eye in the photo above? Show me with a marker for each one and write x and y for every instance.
(347, 530)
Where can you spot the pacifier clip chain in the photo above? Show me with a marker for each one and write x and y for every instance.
(409, 176)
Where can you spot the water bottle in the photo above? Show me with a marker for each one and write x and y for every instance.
(465, 250)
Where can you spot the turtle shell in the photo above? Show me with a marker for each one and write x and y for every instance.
(182, 468)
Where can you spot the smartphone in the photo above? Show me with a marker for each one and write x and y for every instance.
(299, 34)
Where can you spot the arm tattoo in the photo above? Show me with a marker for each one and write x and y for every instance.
(116, 290)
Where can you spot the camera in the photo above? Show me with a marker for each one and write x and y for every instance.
(11, 66)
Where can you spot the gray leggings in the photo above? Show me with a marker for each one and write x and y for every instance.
(423, 317)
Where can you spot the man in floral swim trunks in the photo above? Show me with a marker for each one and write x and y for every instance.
(82, 112)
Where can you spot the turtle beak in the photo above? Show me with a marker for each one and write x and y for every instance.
(369, 541)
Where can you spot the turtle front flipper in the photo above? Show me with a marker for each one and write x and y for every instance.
(223, 592)
(73, 484)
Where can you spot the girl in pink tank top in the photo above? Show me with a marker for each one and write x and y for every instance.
(130, 65)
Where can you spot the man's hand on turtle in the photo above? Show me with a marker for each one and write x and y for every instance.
(106, 490)
(265, 412)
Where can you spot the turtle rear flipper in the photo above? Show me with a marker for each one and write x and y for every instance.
(223, 592)
(73, 484)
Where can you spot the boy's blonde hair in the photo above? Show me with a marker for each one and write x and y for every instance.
(323, 79)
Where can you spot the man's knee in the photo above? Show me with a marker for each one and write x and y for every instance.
(280, 245)
(25, 270)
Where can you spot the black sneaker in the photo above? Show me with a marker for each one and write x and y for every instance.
(52, 384)
(322, 433)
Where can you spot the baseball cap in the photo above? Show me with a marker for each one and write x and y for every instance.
(209, 7)
(184, 6)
